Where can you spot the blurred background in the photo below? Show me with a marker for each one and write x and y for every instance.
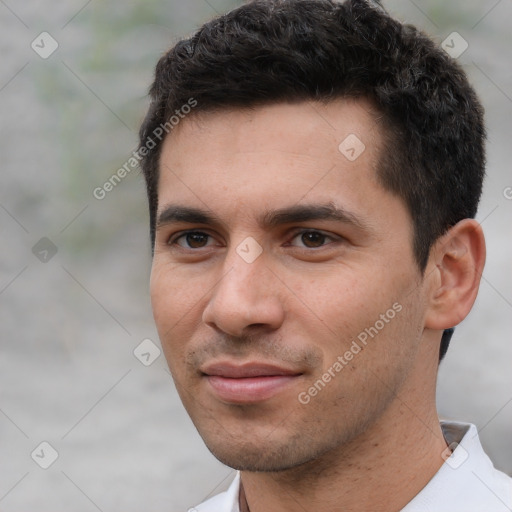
(74, 302)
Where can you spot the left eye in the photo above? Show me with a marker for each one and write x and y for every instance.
(312, 239)
(192, 240)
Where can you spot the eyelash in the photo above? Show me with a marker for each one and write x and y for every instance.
(172, 241)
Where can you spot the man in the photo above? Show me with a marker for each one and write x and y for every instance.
(313, 171)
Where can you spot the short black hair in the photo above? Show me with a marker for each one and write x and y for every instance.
(271, 51)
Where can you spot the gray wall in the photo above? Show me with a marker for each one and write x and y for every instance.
(69, 323)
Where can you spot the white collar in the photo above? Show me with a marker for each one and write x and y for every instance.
(467, 481)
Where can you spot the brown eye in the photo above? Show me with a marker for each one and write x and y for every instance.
(192, 240)
(312, 239)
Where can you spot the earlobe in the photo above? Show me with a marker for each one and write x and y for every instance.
(455, 266)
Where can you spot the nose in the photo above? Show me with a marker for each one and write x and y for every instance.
(245, 298)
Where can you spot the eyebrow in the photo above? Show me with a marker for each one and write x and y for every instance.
(270, 219)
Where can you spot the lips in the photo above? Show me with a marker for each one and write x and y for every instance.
(249, 382)
(247, 370)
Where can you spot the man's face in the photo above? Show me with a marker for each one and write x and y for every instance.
(266, 292)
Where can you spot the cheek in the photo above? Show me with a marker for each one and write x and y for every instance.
(161, 293)
(342, 301)
(173, 302)
(172, 295)
(367, 307)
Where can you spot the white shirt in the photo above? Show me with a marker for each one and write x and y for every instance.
(466, 482)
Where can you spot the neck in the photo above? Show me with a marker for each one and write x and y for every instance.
(381, 469)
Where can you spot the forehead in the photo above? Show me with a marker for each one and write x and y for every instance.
(278, 126)
(274, 154)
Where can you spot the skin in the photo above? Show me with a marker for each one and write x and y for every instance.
(370, 438)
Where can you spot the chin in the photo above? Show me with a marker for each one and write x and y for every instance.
(263, 455)
(256, 462)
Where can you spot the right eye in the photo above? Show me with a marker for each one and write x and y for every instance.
(192, 240)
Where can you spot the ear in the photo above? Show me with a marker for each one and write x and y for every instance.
(454, 270)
